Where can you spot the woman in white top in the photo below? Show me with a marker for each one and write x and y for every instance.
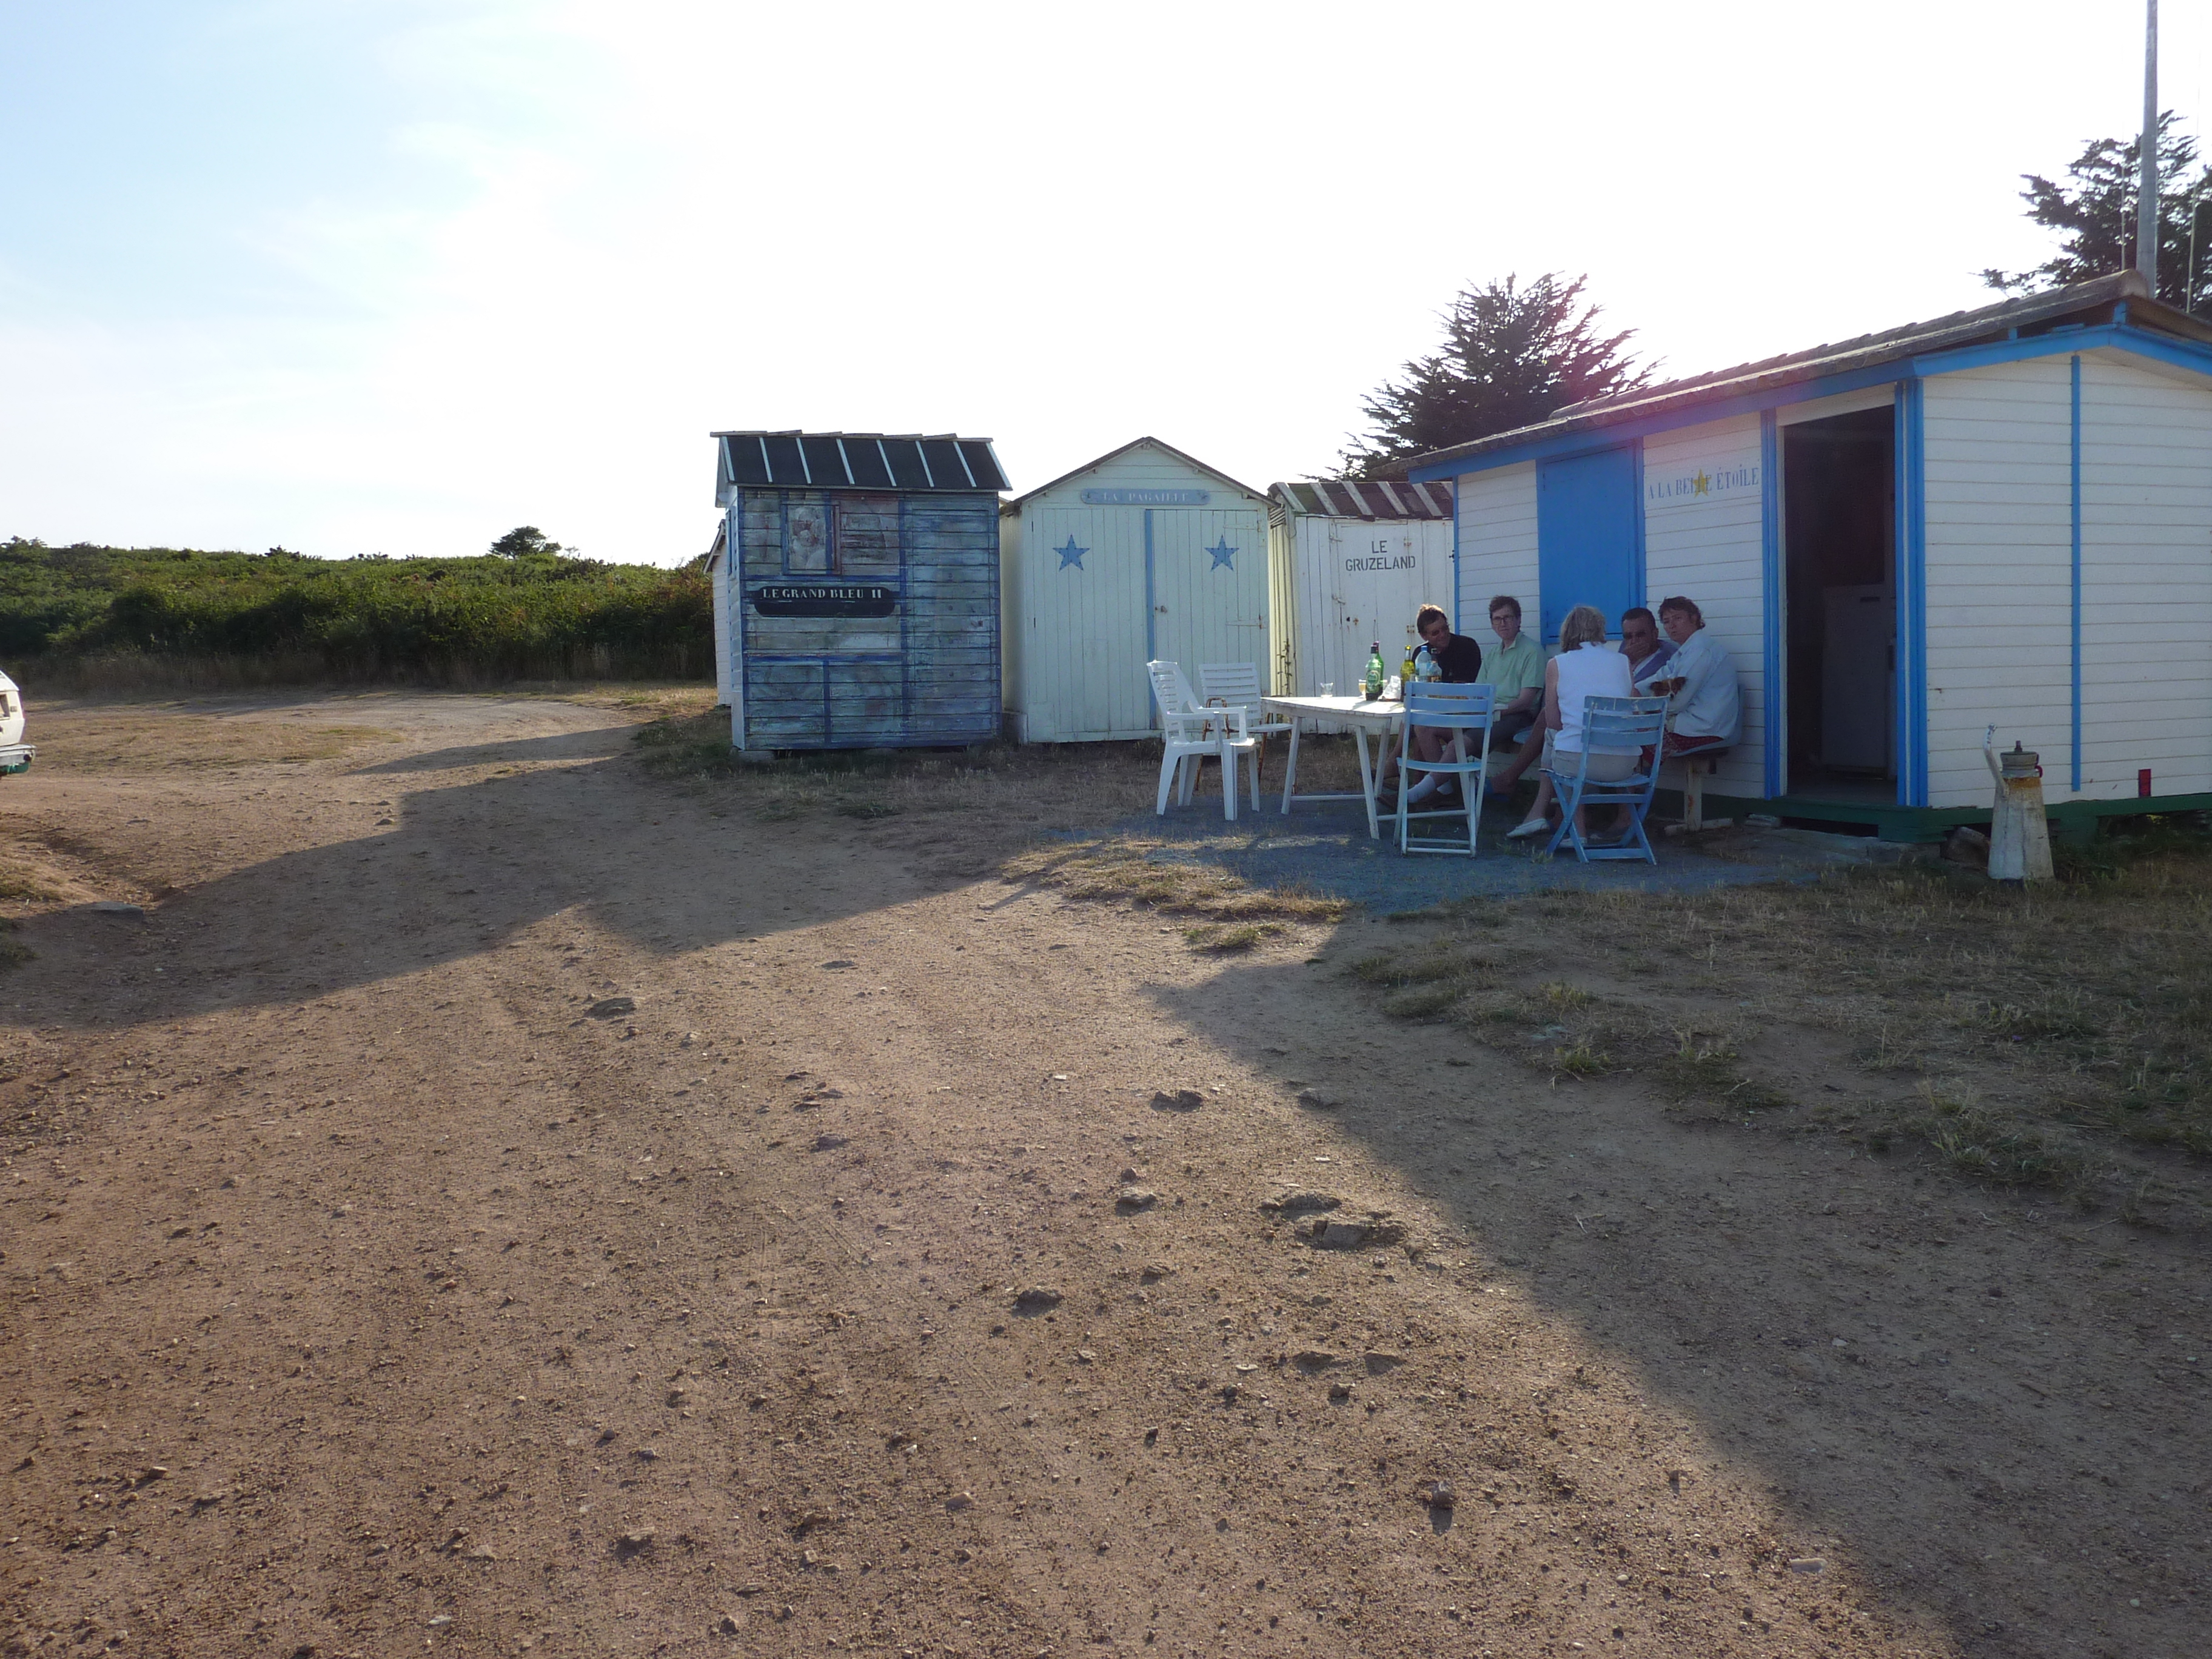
(1584, 668)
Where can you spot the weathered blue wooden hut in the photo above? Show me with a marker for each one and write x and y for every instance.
(862, 588)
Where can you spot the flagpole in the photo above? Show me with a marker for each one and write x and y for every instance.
(2147, 185)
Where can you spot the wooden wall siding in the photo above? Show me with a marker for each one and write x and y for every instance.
(1340, 606)
(1707, 548)
(2146, 578)
(1999, 573)
(725, 660)
(1078, 632)
(927, 674)
(1082, 644)
(1497, 547)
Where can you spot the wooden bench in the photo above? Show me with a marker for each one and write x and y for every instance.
(1688, 773)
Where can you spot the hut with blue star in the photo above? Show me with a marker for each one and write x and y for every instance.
(1995, 519)
(1142, 555)
(856, 580)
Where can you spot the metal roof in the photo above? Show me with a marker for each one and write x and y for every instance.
(860, 460)
(1367, 498)
(2035, 314)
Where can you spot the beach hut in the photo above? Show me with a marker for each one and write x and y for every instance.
(1349, 561)
(1142, 555)
(2000, 517)
(718, 574)
(861, 600)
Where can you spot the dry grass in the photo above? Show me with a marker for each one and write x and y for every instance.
(133, 738)
(1127, 869)
(2052, 1038)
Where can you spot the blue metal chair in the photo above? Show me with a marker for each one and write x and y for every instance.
(1465, 712)
(1615, 726)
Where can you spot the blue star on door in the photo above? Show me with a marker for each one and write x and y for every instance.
(1070, 554)
(1224, 556)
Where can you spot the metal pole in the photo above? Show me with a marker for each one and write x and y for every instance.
(2147, 187)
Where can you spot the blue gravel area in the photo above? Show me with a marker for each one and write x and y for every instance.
(1326, 847)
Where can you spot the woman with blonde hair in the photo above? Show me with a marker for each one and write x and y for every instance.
(1583, 669)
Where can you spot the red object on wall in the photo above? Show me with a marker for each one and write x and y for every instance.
(2142, 783)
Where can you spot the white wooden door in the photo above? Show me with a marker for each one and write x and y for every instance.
(1084, 661)
(1210, 586)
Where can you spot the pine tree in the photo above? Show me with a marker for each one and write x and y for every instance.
(2093, 211)
(1511, 356)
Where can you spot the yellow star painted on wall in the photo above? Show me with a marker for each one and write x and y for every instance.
(1699, 485)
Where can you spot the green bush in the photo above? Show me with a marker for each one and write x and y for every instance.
(537, 615)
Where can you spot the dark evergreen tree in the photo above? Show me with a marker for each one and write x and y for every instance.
(2093, 211)
(525, 542)
(1511, 356)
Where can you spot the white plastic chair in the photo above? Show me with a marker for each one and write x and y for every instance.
(1237, 685)
(1611, 725)
(1463, 711)
(1190, 734)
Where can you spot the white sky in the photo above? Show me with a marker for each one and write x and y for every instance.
(356, 275)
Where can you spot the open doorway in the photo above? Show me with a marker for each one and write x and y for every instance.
(1838, 478)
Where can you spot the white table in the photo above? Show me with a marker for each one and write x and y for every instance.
(1384, 718)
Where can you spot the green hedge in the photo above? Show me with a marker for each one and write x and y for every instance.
(536, 617)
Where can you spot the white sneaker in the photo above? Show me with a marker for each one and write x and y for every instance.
(1528, 828)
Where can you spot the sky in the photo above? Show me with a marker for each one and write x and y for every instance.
(396, 275)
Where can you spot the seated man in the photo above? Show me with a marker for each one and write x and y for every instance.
(1453, 658)
(1704, 713)
(1640, 643)
(1515, 674)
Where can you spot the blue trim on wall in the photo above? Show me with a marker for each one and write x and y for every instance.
(1776, 692)
(2076, 573)
(1613, 437)
(2140, 342)
(1911, 595)
(2180, 354)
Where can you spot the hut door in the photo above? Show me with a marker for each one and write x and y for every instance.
(1209, 587)
(1589, 539)
(1087, 622)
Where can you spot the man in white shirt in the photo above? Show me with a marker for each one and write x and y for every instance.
(1704, 713)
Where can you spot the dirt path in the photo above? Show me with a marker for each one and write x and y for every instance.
(367, 1293)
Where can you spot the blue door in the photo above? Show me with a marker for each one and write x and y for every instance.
(1590, 537)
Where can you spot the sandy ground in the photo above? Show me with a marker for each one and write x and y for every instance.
(364, 1294)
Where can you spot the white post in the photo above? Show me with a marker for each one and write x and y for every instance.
(2146, 186)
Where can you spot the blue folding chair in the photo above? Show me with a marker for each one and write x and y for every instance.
(1612, 725)
(1464, 711)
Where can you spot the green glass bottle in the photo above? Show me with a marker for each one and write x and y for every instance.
(1375, 674)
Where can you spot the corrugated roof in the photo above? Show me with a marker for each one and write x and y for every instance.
(2037, 314)
(1367, 498)
(860, 460)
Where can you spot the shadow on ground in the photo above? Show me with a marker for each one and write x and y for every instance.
(1970, 1392)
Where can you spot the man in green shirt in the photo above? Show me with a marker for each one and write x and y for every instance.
(1514, 670)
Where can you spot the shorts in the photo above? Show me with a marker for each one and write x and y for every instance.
(1677, 745)
(1507, 729)
(1603, 769)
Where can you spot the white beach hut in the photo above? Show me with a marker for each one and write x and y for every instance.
(2001, 517)
(1349, 561)
(1142, 555)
